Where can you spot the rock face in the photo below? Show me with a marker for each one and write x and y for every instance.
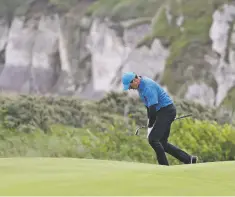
(222, 34)
(85, 55)
(29, 55)
(113, 54)
(221, 59)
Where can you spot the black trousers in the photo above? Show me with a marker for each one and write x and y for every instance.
(158, 138)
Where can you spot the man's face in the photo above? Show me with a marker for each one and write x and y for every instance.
(134, 84)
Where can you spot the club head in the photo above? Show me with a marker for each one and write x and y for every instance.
(137, 130)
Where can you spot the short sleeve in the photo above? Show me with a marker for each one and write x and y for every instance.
(151, 97)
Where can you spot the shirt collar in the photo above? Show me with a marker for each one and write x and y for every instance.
(141, 85)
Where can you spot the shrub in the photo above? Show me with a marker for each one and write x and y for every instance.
(69, 127)
(210, 141)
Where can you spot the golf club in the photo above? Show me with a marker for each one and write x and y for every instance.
(141, 127)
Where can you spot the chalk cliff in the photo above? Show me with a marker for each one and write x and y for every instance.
(187, 46)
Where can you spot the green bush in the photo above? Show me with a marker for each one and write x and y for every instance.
(117, 102)
(69, 127)
(209, 141)
(41, 112)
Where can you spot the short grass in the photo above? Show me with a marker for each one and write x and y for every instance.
(64, 176)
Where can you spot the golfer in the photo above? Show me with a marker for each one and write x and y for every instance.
(161, 113)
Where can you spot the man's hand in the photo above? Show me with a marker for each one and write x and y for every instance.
(149, 131)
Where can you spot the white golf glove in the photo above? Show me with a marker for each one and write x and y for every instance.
(149, 131)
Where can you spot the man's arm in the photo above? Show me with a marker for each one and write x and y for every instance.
(152, 114)
(147, 111)
(151, 103)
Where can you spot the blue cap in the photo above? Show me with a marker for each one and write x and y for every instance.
(126, 79)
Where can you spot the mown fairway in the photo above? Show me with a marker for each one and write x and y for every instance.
(66, 176)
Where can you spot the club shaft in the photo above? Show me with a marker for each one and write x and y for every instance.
(183, 116)
(137, 131)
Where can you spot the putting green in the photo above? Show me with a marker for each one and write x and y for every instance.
(66, 176)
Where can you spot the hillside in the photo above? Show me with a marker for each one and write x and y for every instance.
(187, 46)
(63, 176)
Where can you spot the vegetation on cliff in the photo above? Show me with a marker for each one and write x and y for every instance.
(182, 26)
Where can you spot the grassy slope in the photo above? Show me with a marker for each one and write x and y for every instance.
(37, 176)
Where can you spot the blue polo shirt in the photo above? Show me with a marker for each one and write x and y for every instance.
(152, 93)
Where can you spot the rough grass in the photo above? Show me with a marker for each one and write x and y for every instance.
(69, 127)
(47, 176)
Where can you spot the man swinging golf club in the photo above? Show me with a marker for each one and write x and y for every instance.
(161, 113)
